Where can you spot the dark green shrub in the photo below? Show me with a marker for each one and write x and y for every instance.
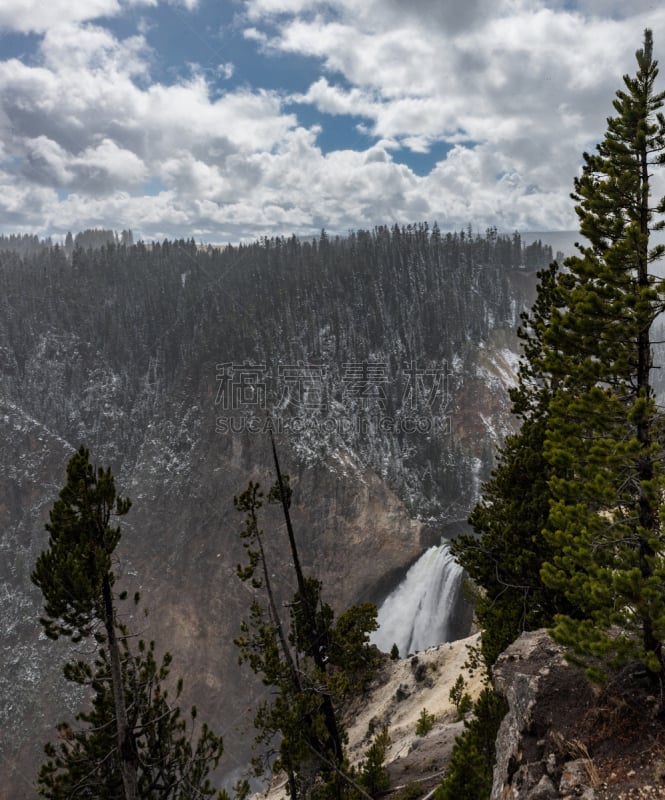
(469, 775)
(425, 723)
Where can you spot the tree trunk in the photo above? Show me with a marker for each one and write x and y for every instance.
(126, 744)
(648, 514)
(335, 741)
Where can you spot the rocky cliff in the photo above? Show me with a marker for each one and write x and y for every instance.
(382, 360)
(563, 738)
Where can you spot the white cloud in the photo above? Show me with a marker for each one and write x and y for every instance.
(92, 50)
(190, 5)
(226, 70)
(106, 164)
(518, 87)
(37, 16)
(524, 84)
(47, 162)
(335, 100)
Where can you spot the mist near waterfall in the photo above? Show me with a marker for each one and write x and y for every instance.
(428, 606)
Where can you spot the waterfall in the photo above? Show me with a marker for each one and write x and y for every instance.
(425, 608)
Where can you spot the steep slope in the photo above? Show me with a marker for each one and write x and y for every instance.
(383, 359)
(395, 700)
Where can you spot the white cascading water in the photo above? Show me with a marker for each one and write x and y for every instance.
(420, 612)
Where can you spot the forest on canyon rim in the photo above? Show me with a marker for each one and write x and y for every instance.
(120, 347)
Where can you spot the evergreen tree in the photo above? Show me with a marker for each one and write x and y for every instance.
(76, 579)
(313, 663)
(373, 775)
(134, 743)
(602, 435)
(85, 763)
(505, 556)
(469, 774)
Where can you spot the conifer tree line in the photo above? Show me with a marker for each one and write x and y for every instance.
(140, 320)
(571, 524)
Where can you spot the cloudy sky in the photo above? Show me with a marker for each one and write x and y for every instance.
(232, 119)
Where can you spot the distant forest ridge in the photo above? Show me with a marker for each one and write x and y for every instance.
(561, 242)
(27, 243)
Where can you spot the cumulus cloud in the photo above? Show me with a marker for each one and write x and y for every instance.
(515, 89)
(35, 16)
(499, 79)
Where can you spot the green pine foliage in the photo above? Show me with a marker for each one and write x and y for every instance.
(313, 661)
(469, 774)
(75, 576)
(134, 742)
(570, 525)
(350, 652)
(602, 438)
(425, 723)
(173, 764)
(373, 775)
(460, 698)
(71, 573)
(505, 555)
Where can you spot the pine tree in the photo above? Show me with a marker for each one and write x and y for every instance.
(312, 661)
(505, 556)
(76, 579)
(282, 655)
(173, 766)
(602, 440)
(469, 773)
(133, 742)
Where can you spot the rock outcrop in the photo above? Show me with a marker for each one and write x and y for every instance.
(564, 739)
(537, 683)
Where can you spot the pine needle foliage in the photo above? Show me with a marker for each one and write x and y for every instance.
(71, 573)
(505, 554)
(604, 435)
(173, 765)
(133, 742)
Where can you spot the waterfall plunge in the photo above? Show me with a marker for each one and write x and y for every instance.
(423, 610)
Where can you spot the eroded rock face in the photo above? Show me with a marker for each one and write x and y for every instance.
(536, 742)
(394, 701)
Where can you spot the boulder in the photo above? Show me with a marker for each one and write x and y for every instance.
(546, 698)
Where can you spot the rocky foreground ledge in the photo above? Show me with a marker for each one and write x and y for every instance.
(561, 738)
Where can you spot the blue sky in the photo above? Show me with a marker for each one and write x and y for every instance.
(232, 119)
